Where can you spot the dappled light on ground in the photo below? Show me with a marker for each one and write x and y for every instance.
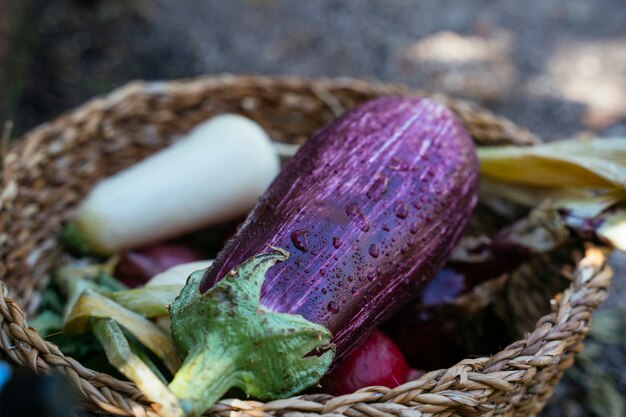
(474, 66)
(590, 72)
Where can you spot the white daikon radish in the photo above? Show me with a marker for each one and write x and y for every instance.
(216, 173)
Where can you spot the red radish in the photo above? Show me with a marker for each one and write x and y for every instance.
(377, 361)
(137, 267)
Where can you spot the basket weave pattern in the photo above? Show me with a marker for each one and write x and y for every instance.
(47, 173)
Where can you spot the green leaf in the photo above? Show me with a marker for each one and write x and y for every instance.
(52, 300)
(76, 241)
(77, 346)
(108, 282)
(603, 399)
(47, 322)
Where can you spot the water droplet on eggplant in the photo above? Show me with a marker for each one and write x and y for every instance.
(398, 164)
(356, 215)
(378, 188)
(401, 210)
(333, 308)
(299, 240)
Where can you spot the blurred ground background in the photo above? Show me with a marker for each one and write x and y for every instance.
(556, 67)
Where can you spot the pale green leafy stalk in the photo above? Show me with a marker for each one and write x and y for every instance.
(120, 355)
(138, 350)
(91, 305)
(150, 301)
(230, 340)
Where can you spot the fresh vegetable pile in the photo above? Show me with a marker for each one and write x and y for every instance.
(362, 228)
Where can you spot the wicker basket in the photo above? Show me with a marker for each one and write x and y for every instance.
(46, 174)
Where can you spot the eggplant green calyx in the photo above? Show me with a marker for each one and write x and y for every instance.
(230, 340)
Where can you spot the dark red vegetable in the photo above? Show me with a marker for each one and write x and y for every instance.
(137, 267)
(376, 361)
(369, 208)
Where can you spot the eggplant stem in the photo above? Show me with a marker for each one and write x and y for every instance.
(231, 340)
(120, 355)
(204, 379)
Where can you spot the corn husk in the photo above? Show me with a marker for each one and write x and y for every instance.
(599, 163)
(580, 178)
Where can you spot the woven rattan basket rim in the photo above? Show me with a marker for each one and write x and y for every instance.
(515, 381)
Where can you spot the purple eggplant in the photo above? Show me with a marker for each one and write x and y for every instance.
(360, 219)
